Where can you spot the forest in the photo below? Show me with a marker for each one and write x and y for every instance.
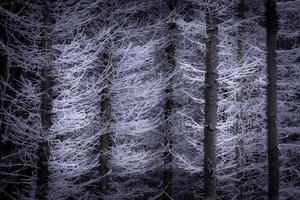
(149, 99)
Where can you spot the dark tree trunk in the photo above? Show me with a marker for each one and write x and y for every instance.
(210, 131)
(45, 112)
(239, 149)
(272, 137)
(168, 109)
(105, 105)
(106, 120)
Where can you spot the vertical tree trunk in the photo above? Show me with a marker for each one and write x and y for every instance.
(105, 106)
(210, 131)
(106, 119)
(239, 98)
(272, 137)
(168, 109)
(45, 112)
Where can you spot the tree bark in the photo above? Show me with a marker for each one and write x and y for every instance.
(210, 131)
(45, 112)
(272, 136)
(106, 120)
(239, 148)
(168, 108)
(105, 106)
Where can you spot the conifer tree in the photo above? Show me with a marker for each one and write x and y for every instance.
(210, 126)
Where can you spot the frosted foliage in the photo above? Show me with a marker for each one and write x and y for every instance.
(136, 91)
(288, 98)
(20, 102)
(117, 55)
(245, 77)
(76, 128)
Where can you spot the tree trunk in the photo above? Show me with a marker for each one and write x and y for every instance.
(239, 149)
(168, 109)
(210, 131)
(106, 120)
(105, 105)
(272, 137)
(45, 112)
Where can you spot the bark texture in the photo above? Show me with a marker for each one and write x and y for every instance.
(106, 119)
(272, 137)
(45, 112)
(168, 108)
(210, 131)
(105, 106)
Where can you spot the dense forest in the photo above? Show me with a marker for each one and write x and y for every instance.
(149, 99)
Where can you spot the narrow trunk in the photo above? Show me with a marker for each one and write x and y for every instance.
(272, 137)
(168, 109)
(105, 106)
(45, 112)
(210, 131)
(106, 119)
(239, 149)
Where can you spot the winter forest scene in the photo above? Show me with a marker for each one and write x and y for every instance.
(149, 99)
